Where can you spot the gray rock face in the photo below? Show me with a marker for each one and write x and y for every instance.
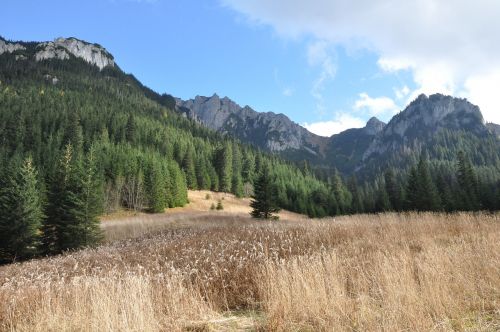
(6, 47)
(274, 132)
(425, 116)
(494, 128)
(374, 126)
(61, 48)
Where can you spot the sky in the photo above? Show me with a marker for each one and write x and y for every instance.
(329, 65)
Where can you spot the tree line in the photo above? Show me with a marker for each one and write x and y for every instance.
(94, 143)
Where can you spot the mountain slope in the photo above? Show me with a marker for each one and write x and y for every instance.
(269, 131)
(437, 125)
(147, 154)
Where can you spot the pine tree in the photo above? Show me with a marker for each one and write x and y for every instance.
(413, 190)
(74, 204)
(393, 190)
(89, 205)
(237, 181)
(357, 202)
(468, 184)
(383, 202)
(21, 214)
(248, 171)
(224, 164)
(130, 133)
(422, 194)
(156, 187)
(202, 174)
(264, 199)
(342, 195)
(189, 169)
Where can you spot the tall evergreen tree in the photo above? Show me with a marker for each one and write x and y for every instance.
(21, 214)
(224, 164)
(75, 200)
(393, 190)
(264, 200)
(422, 194)
(189, 169)
(357, 202)
(156, 186)
(468, 185)
(130, 134)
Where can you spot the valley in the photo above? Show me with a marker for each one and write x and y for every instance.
(223, 271)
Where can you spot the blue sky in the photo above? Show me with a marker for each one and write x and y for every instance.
(277, 56)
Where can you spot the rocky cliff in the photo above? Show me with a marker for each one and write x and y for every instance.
(61, 49)
(274, 132)
(424, 117)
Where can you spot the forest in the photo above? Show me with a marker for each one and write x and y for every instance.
(77, 142)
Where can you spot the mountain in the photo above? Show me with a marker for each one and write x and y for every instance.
(67, 107)
(278, 134)
(269, 131)
(494, 128)
(437, 125)
(345, 150)
(60, 49)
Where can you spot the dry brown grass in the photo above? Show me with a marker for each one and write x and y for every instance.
(412, 272)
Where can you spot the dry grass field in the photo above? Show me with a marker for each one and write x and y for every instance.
(193, 269)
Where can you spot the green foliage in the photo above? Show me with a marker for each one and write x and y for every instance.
(422, 194)
(219, 206)
(74, 204)
(264, 201)
(21, 214)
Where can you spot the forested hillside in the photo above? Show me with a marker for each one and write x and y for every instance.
(100, 141)
(78, 141)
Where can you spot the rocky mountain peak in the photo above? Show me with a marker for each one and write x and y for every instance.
(425, 116)
(61, 48)
(374, 126)
(8, 47)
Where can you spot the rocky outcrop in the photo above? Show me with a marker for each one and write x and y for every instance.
(494, 128)
(374, 126)
(274, 132)
(424, 117)
(61, 48)
(7, 47)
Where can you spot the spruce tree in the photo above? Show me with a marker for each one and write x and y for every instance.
(75, 200)
(189, 169)
(89, 205)
(21, 214)
(422, 194)
(383, 202)
(393, 190)
(468, 184)
(264, 200)
(224, 164)
(357, 202)
(156, 187)
(130, 133)
(413, 190)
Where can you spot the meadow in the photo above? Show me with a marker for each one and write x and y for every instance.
(202, 270)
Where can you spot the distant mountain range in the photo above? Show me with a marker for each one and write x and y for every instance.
(437, 125)
(353, 149)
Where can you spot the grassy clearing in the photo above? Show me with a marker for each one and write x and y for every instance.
(226, 272)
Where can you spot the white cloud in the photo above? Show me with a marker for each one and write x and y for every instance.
(318, 55)
(376, 106)
(402, 92)
(450, 46)
(339, 124)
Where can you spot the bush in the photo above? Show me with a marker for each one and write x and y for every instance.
(219, 206)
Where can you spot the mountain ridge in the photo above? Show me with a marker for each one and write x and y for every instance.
(353, 150)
